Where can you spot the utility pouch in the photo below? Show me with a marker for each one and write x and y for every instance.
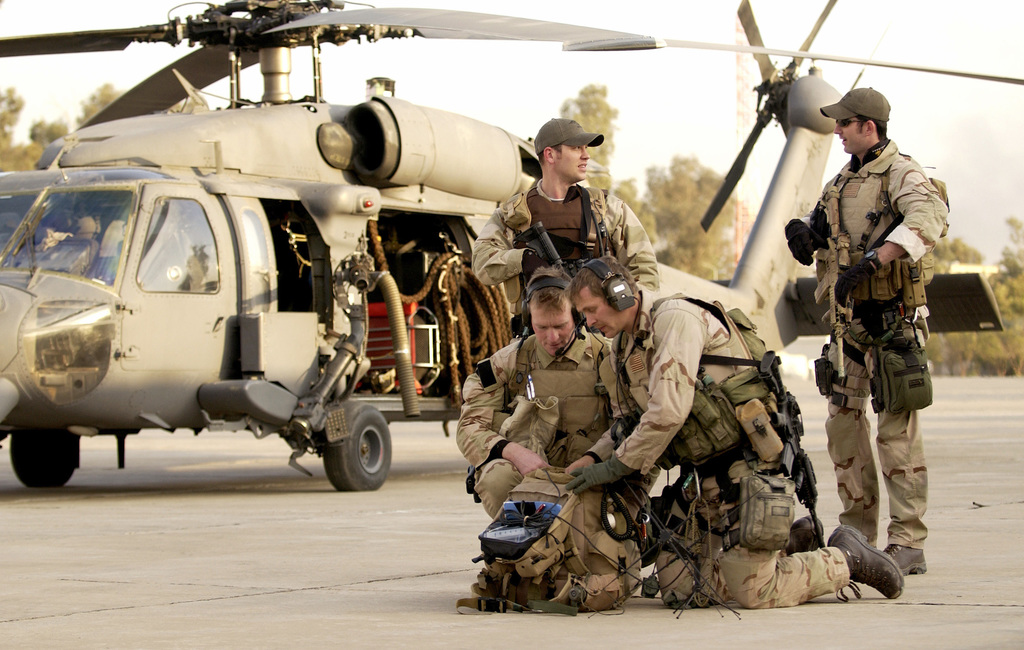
(711, 429)
(766, 512)
(915, 277)
(824, 373)
(901, 380)
(757, 424)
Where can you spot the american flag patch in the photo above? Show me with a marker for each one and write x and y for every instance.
(636, 363)
(851, 189)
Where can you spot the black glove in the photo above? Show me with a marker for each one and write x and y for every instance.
(803, 241)
(853, 276)
(598, 474)
(531, 262)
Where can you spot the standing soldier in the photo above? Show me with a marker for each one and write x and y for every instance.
(675, 358)
(581, 223)
(871, 233)
(536, 402)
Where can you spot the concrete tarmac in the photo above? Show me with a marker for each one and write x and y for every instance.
(214, 542)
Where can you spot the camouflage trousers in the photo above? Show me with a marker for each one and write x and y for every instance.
(754, 579)
(494, 482)
(900, 455)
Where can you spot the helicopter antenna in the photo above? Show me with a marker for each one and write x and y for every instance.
(870, 56)
(194, 95)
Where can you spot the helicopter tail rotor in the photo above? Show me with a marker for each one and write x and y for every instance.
(772, 95)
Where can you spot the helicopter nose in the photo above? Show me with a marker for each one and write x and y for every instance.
(14, 304)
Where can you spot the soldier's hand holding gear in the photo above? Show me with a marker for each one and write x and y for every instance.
(856, 274)
(803, 241)
(609, 471)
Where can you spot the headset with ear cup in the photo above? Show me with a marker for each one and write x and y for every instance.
(616, 290)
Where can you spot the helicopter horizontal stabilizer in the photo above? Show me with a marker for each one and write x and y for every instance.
(957, 302)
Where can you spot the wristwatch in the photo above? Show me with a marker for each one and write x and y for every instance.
(871, 257)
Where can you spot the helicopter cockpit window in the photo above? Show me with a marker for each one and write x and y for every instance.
(74, 232)
(13, 208)
(180, 253)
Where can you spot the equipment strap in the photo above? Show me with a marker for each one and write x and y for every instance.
(717, 360)
(499, 605)
(504, 605)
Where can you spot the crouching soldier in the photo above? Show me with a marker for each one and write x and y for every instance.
(684, 366)
(536, 403)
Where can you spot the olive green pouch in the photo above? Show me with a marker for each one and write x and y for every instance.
(766, 512)
(901, 380)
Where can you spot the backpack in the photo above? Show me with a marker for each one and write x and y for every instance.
(548, 550)
(713, 426)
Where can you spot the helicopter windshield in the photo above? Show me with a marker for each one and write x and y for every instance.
(77, 232)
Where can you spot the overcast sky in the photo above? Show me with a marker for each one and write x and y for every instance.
(671, 102)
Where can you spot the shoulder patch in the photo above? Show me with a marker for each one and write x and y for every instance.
(486, 374)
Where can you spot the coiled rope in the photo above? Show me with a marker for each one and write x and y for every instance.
(473, 318)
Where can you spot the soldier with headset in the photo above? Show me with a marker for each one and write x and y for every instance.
(537, 402)
(669, 356)
(581, 223)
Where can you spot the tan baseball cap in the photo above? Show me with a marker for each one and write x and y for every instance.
(561, 130)
(866, 102)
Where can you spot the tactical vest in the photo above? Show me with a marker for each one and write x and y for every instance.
(859, 213)
(582, 403)
(712, 428)
(576, 236)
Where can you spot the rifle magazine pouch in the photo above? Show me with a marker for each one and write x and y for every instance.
(824, 373)
(766, 512)
(901, 380)
(711, 429)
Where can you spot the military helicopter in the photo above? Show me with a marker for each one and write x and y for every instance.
(295, 267)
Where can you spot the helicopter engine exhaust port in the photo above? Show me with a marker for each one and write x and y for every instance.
(403, 144)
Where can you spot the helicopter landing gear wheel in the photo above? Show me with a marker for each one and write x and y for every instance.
(44, 458)
(360, 461)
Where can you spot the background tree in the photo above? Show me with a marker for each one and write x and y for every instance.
(628, 191)
(956, 250)
(15, 157)
(986, 353)
(97, 101)
(43, 133)
(677, 197)
(591, 109)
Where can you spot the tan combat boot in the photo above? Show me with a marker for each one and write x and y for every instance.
(909, 560)
(867, 564)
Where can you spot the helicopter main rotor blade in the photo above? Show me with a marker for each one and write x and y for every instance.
(746, 16)
(733, 176)
(162, 90)
(701, 45)
(814, 31)
(102, 40)
(438, 23)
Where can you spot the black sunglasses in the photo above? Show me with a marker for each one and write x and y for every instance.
(848, 121)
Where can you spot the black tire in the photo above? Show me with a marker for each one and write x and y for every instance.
(44, 459)
(361, 461)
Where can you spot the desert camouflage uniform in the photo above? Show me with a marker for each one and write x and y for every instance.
(568, 413)
(899, 443)
(659, 366)
(495, 261)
